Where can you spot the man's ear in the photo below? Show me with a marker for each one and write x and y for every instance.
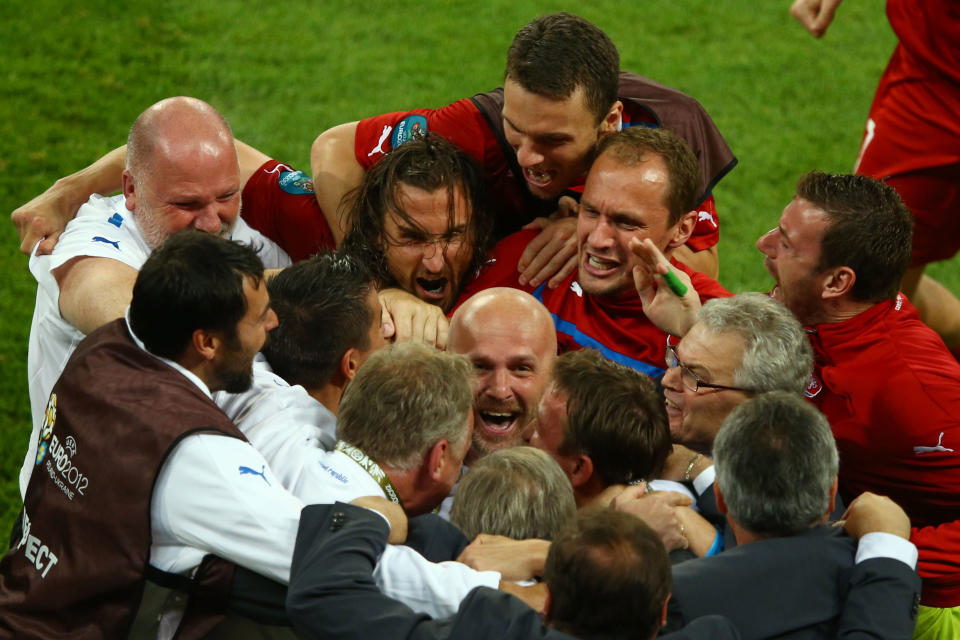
(349, 364)
(611, 121)
(721, 505)
(682, 230)
(129, 190)
(436, 459)
(206, 343)
(581, 471)
(838, 282)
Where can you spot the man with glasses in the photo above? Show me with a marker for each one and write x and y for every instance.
(420, 221)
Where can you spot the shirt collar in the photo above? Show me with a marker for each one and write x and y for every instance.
(189, 375)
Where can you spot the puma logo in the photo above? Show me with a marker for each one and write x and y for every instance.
(262, 473)
(280, 168)
(383, 138)
(116, 244)
(706, 215)
(939, 447)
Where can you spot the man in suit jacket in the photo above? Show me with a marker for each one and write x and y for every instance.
(791, 574)
(608, 576)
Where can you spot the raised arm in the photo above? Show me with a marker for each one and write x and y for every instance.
(335, 173)
(45, 217)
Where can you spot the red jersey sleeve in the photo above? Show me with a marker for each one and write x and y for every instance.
(279, 202)
(460, 123)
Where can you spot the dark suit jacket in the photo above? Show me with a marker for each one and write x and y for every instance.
(803, 586)
(332, 593)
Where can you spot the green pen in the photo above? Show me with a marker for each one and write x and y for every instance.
(674, 283)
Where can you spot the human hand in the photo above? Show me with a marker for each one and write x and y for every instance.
(671, 311)
(870, 513)
(553, 253)
(658, 510)
(42, 220)
(392, 512)
(514, 559)
(814, 15)
(407, 317)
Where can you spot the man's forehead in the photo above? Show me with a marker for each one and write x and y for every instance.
(711, 350)
(524, 109)
(430, 210)
(802, 220)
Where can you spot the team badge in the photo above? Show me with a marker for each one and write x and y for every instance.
(49, 418)
(296, 183)
(408, 128)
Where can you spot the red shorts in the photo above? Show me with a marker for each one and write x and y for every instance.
(933, 195)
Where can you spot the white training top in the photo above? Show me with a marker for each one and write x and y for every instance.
(102, 228)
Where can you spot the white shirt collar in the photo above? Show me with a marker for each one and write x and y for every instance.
(189, 375)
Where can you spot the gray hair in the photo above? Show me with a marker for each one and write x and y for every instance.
(777, 355)
(776, 461)
(404, 399)
(519, 492)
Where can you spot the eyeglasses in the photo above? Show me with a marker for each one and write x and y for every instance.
(690, 379)
(423, 242)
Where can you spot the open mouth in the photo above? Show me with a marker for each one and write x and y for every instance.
(599, 267)
(432, 288)
(498, 422)
(538, 177)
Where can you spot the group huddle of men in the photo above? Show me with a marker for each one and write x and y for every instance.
(633, 449)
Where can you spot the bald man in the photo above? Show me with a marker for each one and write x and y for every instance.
(181, 171)
(511, 340)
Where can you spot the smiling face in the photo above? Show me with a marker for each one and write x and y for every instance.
(554, 138)
(695, 417)
(791, 253)
(429, 258)
(620, 203)
(512, 360)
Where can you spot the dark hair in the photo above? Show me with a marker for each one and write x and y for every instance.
(608, 576)
(614, 415)
(870, 230)
(322, 311)
(555, 54)
(776, 460)
(192, 281)
(429, 163)
(635, 145)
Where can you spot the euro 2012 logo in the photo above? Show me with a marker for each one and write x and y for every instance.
(49, 417)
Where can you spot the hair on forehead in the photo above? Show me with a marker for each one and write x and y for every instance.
(558, 53)
(638, 145)
(429, 163)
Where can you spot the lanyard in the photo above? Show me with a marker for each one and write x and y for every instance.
(372, 468)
